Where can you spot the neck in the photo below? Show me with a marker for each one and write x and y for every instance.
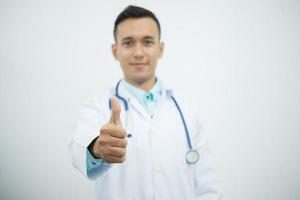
(144, 85)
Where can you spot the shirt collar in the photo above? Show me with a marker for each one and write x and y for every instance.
(152, 95)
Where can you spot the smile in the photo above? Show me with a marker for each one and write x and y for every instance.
(139, 66)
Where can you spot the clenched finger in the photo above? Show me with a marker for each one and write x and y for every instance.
(118, 132)
(117, 151)
(113, 159)
(113, 130)
(118, 142)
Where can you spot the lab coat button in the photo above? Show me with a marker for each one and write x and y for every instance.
(156, 168)
(152, 131)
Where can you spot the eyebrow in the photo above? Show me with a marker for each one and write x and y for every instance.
(149, 37)
(145, 37)
(127, 38)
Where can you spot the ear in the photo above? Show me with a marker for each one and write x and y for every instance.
(114, 50)
(161, 49)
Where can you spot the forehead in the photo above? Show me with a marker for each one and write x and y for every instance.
(137, 28)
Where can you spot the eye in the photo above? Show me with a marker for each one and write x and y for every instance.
(148, 42)
(127, 43)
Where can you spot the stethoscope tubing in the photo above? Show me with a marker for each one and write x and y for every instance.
(175, 102)
(119, 97)
(183, 122)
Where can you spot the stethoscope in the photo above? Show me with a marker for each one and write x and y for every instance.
(192, 156)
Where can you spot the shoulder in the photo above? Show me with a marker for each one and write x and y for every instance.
(188, 102)
(98, 103)
(184, 97)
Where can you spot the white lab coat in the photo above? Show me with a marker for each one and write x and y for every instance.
(155, 165)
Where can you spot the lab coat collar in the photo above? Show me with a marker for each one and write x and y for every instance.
(123, 92)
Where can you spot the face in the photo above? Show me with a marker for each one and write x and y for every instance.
(138, 49)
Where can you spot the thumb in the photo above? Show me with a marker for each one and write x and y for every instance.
(115, 111)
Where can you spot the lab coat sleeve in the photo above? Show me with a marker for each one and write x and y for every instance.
(207, 185)
(91, 118)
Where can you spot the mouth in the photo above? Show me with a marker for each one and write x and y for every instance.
(139, 65)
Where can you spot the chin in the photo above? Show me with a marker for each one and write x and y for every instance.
(140, 79)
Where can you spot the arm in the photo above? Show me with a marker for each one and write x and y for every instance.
(91, 143)
(91, 118)
(206, 182)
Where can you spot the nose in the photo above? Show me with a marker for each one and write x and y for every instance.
(138, 51)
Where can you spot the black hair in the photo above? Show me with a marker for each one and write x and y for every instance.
(135, 12)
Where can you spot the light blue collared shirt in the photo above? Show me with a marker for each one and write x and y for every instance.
(149, 102)
(147, 99)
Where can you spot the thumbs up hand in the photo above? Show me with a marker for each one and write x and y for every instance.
(111, 144)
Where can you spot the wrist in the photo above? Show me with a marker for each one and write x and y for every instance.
(91, 148)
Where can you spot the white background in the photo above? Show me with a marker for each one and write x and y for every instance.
(240, 59)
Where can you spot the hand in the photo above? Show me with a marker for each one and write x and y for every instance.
(111, 144)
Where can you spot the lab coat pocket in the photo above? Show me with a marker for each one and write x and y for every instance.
(185, 176)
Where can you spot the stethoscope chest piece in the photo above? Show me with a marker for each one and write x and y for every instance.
(192, 156)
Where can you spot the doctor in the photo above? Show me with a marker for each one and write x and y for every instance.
(140, 140)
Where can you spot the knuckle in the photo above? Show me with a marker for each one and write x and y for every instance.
(118, 152)
(121, 131)
(113, 131)
(123, 159)
(104, 151)
(104, 133)
(104, 129)
(122, 152)
(102, 141)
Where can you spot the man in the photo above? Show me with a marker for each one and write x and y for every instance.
(138, 141)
